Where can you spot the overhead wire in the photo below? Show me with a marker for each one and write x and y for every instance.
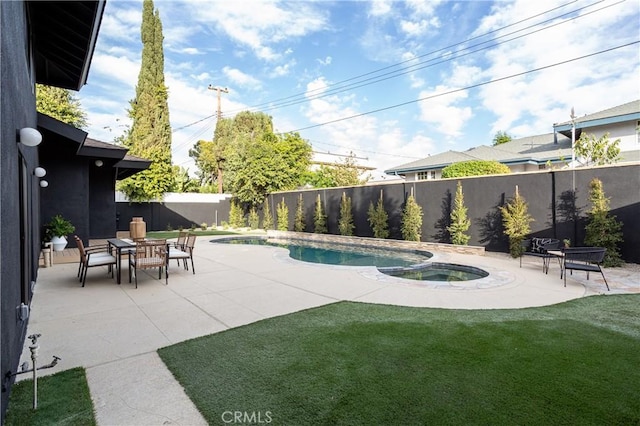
(495, 80)
(337, 88)
(339, 83)
(304, 94)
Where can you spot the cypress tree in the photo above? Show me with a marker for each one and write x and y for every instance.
(411, 225)
(298, 223)
(150, 133)
(319, 218)
(460, 223)
(283, 216)
(267, 221)
(603, 229)
(345, 223)
(516, 220)
(378, 219)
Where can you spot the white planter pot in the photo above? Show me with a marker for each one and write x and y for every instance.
(59, 243)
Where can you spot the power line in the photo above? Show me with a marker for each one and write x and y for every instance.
(465, 88)
(340, 87)
(365, 150)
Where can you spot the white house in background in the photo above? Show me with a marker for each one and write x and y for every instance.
(542, 151)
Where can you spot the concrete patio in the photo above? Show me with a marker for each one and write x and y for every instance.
(114, 330)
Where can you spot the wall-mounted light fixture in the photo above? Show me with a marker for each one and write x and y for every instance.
(99, 163)
(44, 183)
(39, 172)
(28, 136)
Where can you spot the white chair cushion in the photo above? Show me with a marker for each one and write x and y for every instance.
(101, 260)
(177, 254)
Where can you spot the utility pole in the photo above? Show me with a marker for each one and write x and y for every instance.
(219, 90)
(219, 116)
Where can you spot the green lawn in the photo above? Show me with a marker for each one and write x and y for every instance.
(63, 399)
(361, 364)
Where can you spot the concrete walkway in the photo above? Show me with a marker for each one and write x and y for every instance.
(114, 330)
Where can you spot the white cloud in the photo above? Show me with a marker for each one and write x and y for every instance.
(192, 51)
(238, 77)
(262, 25)
(284, 69)
(539, 97)
(442, 113)
(380, 7)
(325, 61)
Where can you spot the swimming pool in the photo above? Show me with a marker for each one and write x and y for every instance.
(338, 254)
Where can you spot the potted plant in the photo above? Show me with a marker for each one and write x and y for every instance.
(567, 242)
(57, 230)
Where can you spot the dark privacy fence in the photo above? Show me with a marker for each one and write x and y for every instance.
(548, 194)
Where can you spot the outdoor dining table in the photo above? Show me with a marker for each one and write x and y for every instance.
(119, 245)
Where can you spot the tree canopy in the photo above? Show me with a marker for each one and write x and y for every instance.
(60, 104)
(474, 168)
(256, 160)
(150, 134)
(597, 151)
(342, 173)
(501, 137)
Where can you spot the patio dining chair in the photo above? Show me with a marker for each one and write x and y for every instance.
(149, 254)
(185, 253)
(182, 238)
(93, 256)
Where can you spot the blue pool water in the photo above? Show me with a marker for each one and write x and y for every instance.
(338, 254)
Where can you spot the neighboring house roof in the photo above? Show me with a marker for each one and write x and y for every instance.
(64, 35)
(537, 149)
(530, 150)
(115, 156)
(618, 114)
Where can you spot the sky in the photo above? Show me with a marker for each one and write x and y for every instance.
(389, 82)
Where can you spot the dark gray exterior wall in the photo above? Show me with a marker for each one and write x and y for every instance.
(19, 249)
(78, 190)
(162, 216)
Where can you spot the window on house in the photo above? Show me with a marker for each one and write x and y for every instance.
(433, 174)
(423, 175)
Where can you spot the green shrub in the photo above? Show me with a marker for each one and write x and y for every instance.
(603, 229)
(254, 219)
(282, 211)
(378, 219)
(516, 220)
(411, 220)
(319, 218)
(298, 222)
(203, 226)
(345, 223)
(460, 223)
(236, 216)
(474, 168)
(267, 220)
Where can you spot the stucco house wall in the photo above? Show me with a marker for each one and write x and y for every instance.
(19, 230)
